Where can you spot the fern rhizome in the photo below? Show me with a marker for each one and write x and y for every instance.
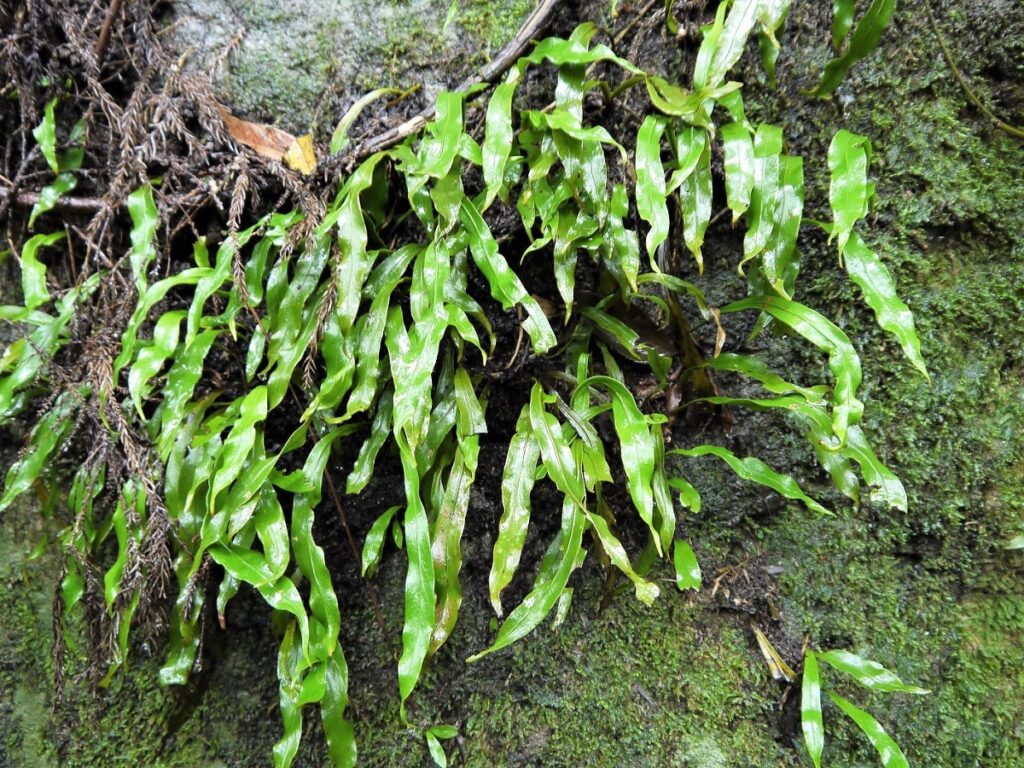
(386, 318)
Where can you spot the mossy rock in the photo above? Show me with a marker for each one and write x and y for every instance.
(300, 64)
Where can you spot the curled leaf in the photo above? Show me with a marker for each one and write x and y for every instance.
(33, 271)
(339, 139)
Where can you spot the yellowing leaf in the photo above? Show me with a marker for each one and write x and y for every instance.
(780, 669)
(300, 155)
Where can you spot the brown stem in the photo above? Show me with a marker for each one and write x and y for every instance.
(968, 91)
(104, 38)
(336, 500)
(342, 517)
(67, 202)
(492, 70)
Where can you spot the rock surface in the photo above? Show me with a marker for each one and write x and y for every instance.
(301, 63)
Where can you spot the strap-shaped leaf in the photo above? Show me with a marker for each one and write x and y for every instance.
(663, 506)
(757, 369)
(842, 21)
(33, 271)
(564, 556)
(679, 285)
(687, 569)
(380, 430)
(437, 753)
(764, 192)
(695, 193)
(447, 539)
(505, 285)
(145, 219)
(725, 42)
(866, 36)
(323, 603)
(354, 263)
(420, 603)
(617, 334)
(516, 484)
(650, 182)
(756, 471)
(46, 436)
(849, 192)
(273, 532)
(153, 295)
(636, 448)
(439, 150)
(252, 410)
(370, 329)
(45, 135)
(289, 659)
(340, 733)
(888, 750)
(558, 459)
(373, 546)
(152, 358)
(868, 673)
(619, 247)
(292, 310)
(646, 591)
(179, 387)
(843, 360)
(451, 512)
(739, 168)
(575, 50)
(411, 377)
(871, 275)
(131, 502)
(498, 140)
(779, 263)
(811, 722)
(885, 487)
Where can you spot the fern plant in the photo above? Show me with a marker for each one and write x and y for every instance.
(870, 675)
(360, 324)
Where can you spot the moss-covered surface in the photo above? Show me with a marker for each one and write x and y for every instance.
(301, 64)
(929, 593)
